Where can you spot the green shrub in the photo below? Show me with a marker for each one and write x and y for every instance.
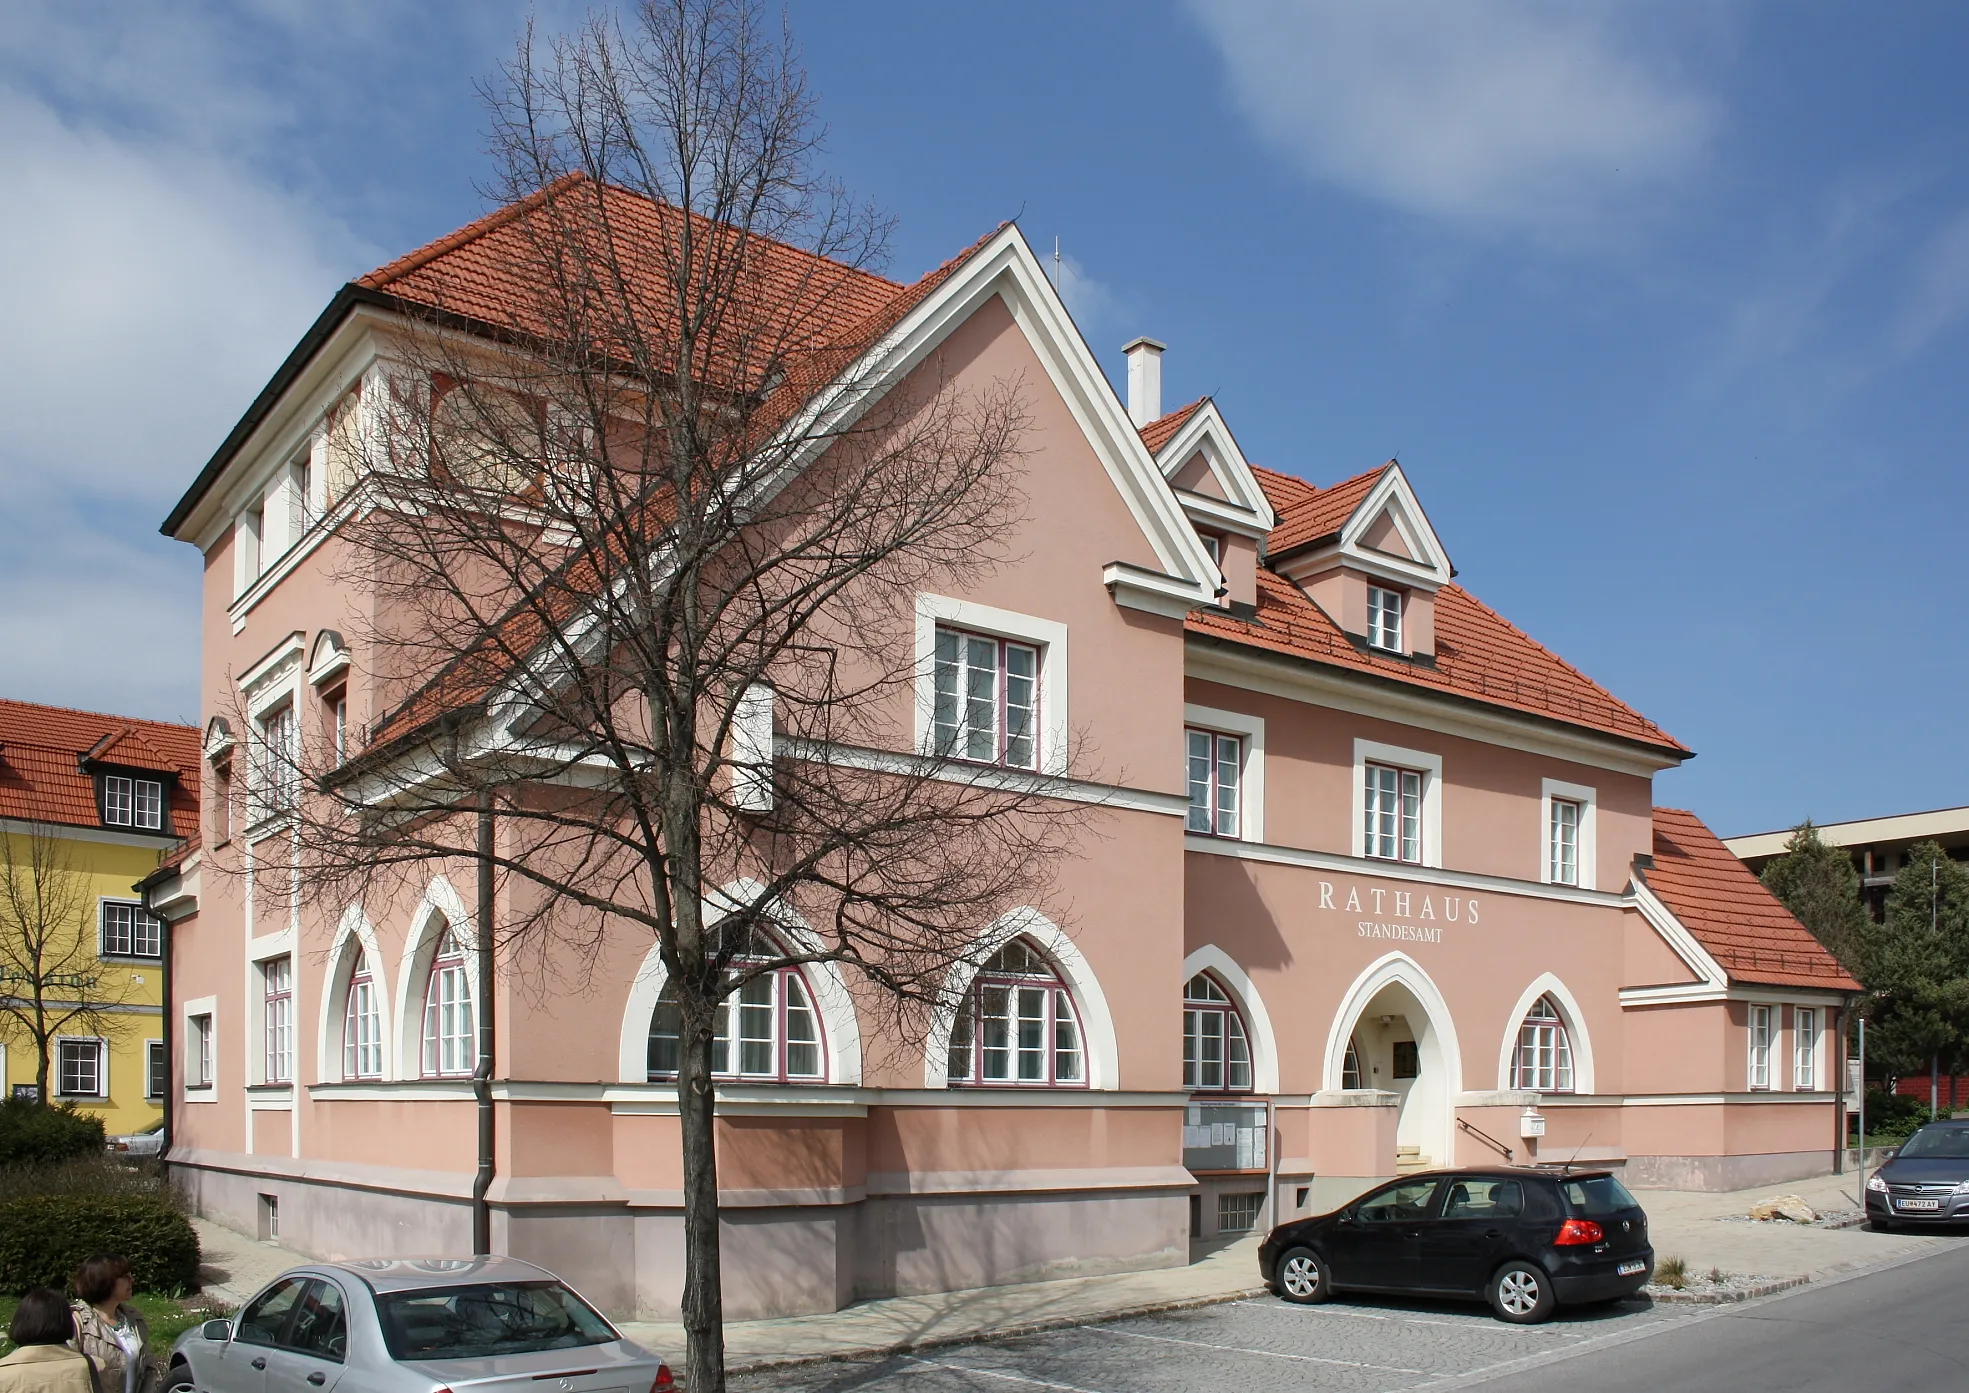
(1672, 1273)
(44, 1238)
(94, 1174)
(1893, 1114)
(34, 1134)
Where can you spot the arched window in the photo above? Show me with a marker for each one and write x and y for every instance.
(1544, 1059)
(777, 1034)
(1216, 1054)
(362, 1024)
(448, 1044)
(1017, 1025)
(1350, 1066)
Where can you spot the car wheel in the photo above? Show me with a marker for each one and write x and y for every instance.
(179, 1380)
(1301, 1277)
(1521, 1293)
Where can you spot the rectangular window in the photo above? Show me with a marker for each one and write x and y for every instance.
(338, 725)
(1760, 1047)
(1239, 1213)
(1393, 827)
(1215, 763)
(1384, 618)
(128, 932)
(198, 1051)
(79, 1068)
(1563, 852)
(986, 699)
(278, 975)
(155, 1074)
(277, 770)
(1804, 1048)
(129, 802)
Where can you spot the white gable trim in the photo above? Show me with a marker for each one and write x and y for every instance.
(1248, 511)
(1391, 494)
(1712, 984)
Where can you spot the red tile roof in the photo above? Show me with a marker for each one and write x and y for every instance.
(512, 269)
(41, 749)
(1752, 936)
(1479, 655)
(1162, 429)
(1318, 515)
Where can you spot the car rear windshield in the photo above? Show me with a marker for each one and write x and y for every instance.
(1596, 1195)
(488, 1318)
(1937, 1143)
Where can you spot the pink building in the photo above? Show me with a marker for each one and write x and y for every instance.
(1382, 885)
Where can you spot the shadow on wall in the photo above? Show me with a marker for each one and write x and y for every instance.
(1233, 898)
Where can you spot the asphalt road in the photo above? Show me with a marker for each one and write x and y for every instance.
(1903, 1328)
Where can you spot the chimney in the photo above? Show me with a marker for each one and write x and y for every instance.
(1144, 380)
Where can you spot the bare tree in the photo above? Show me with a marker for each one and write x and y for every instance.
(52, 980)
(642, 542)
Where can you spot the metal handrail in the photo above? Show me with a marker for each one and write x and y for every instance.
(1486, 1138)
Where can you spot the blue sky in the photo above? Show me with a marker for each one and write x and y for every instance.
(1661, 305)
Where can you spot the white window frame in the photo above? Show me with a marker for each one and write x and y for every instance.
(154, 1050)
(101, 1046)
(200, 1050)
(1805, 1049)
(1251, 784)
(138, 915)
(1048, 636)
(1588, 800)
(1377, 630)
(1430, 766)
(129, 792)
(1233, 1026)
(433, 1035)
(354, 1046)
(1556, 1048)
(270, 1035)
(1760, 1014)
(274, 776)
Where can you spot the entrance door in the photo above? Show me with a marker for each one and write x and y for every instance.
(1379, 1242)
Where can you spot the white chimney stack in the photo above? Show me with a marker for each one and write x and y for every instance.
(1144, 380)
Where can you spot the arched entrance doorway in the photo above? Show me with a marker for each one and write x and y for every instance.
(1404, 1043)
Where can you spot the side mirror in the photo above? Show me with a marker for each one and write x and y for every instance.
(219, 1330)
(1346, 1216)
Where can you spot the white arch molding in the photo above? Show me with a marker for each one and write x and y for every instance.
(441, 908)
(355, 936)
(1096, 1021)
(840, 1027)
(1576, 1033)
(1398, 968)
(1264, 1044)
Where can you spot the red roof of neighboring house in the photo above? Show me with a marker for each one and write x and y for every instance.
(1321, 514)
(1162, 429)
(1749, 932)
(42, 749)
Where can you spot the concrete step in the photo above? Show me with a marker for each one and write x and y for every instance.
(1408, 1160)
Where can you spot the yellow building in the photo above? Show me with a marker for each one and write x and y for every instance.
(89, 805)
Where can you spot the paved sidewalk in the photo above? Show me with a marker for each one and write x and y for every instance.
(231, 1266)
(1704, 1229)
(912, 1322)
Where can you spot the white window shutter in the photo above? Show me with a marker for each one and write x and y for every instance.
(752, 750)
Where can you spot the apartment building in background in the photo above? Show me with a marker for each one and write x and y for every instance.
(109, 797)
(1878, 845)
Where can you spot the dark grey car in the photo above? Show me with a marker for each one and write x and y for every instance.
(1926, 1182)
(415, 1325)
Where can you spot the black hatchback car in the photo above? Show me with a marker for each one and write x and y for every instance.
(1926, 1182)
(1528, 1241)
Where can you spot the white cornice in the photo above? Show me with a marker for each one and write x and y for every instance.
(1212, 659)
(1400, 870)
(101, 836)
(1685, 945)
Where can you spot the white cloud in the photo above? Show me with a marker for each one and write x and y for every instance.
(1544, 116)
(1938, 292)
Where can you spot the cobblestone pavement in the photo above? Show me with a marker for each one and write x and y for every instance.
(1251, 1346)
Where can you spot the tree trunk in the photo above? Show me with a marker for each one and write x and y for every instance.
(704, 1300)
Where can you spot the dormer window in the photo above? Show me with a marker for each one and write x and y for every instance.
(129, 802)
(1384, 618)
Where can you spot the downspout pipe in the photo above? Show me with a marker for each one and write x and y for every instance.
(144, 889)
(482, 1071)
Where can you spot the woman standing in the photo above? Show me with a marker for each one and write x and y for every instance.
(42, 1326)
(112, 1332)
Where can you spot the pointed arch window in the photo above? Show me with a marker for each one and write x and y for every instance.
(766, 1031)
(1017, 1025)
(448, 1017)
(1544, 1058)
(362, 1024)
(1350, 1066)
(1216, 1048)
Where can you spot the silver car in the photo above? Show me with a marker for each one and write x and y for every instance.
(415, 1325)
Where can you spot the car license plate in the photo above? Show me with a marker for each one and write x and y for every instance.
(1917, 1204)
(1628, 1269)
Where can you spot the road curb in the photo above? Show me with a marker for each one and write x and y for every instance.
(1727, 1298)
(997, 1332)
